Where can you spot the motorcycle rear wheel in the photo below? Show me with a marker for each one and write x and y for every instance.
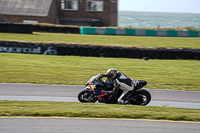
(141, 97)
(86, 97)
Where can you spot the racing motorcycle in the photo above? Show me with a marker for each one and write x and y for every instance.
(98, 91)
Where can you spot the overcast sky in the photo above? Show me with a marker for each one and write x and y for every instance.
(185, 6)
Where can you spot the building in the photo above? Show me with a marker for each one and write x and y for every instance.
(67, 12)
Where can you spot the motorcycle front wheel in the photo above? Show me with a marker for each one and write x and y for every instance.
(86, 97)
(141, 97)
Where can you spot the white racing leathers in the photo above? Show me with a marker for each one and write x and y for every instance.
(124, 83)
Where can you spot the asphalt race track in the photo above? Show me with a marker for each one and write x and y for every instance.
(35, 92)
(76, 125)
(68, 93)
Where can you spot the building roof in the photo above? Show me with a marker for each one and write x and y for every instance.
(25, 7)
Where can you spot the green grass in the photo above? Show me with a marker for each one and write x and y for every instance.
(75, 70)
(138, 41)
(43, 69)
(61, 109)
(178, 28)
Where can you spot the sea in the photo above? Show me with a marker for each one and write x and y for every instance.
(158, 19)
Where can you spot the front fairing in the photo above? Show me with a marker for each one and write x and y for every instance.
(93, 89)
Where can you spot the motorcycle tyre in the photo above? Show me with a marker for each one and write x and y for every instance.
(82, 100)
(144, 93)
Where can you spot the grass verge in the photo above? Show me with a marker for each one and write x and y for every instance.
(179, 28)
(75, 70)
(86, 110)
(136, 41)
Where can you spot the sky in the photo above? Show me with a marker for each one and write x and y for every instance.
(183, 6)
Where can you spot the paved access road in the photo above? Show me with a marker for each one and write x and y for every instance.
(76, 125)
(68, 93)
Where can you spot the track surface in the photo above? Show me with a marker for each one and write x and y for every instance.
(76, 125)
(33, 92)
(68, 93)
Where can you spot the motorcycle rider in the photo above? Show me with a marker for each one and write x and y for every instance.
(120, 81)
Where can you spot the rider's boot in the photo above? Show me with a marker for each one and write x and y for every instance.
(123, 102)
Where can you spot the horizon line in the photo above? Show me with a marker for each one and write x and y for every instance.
(159, 11)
